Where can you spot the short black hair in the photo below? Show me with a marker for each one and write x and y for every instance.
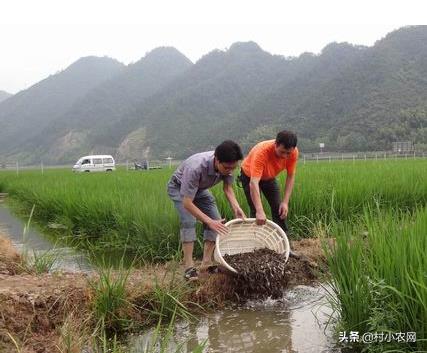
(287, 139)
(228, 152)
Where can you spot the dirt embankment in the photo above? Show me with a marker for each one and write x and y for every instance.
(9, 258)
(44, 313)
(33, 307)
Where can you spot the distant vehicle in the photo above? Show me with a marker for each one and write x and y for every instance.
(95, 163)
(145, 165)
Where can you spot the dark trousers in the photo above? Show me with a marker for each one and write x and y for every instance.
(271, 191)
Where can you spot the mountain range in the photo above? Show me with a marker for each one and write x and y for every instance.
(352, 98)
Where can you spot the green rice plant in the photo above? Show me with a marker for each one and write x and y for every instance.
(132, 209)
(379, 276)
(168, 299)
(109, 304)
(164, 302)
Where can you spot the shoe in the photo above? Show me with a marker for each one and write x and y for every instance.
(212, 269)
(190, 274)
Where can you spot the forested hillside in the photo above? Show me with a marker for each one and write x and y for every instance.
(352, 98)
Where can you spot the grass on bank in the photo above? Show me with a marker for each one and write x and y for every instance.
(117, 311)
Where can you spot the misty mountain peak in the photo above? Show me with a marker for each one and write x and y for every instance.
(94, 62)
(166, 52)
(245, 48)
(411, 40)
(341, 52)
(335, 48)
(159, 59)
(238, 52)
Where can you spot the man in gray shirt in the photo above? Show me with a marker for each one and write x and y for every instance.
(188, 189)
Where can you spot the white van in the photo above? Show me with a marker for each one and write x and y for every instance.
(95, 163)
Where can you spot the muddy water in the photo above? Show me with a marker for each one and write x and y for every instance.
(294, 323)
(67, 258)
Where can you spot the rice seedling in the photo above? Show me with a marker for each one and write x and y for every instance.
(121, 209)
(379, 277)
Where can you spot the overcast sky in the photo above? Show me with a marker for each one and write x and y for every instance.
(39, 38)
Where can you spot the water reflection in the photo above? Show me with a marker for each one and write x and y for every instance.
(67, 258)
(293, 324)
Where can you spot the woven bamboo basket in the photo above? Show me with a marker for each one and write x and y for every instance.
(246, 236)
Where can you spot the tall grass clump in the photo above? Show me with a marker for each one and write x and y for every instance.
(379, 277)
(41, 261)
(119, 309)
(169, 300)
(110, 306)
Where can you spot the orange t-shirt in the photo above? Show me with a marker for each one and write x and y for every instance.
(262, 162)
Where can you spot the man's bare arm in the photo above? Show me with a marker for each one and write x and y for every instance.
(256, 199)
(214, 224)
(231, 197)
(284, 205)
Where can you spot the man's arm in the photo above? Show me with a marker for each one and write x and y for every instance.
(231, 197)
(289, 186)
(256, 199)
(215, 225)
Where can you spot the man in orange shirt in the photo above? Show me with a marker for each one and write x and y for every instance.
(259, 170)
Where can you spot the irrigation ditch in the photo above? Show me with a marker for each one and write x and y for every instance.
(63, 307)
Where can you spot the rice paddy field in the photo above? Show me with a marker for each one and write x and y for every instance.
(375, 210)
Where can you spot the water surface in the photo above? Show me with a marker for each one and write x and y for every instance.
(33, 240)
(295, 323)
